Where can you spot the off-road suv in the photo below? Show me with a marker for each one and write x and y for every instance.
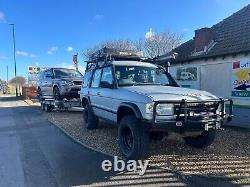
(142, 98)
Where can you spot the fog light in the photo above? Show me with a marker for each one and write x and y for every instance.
(191, 113)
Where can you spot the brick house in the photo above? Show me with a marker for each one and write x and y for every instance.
(217, 59)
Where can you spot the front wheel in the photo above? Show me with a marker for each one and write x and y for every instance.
(204, 140)
(133, 138)
(56, 93)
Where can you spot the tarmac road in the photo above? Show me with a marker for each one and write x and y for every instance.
(33, 152)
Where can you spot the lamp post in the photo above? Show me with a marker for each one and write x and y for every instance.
(14, 51)
(7, 74)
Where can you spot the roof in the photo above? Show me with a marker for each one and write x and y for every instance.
(231, 36)
(133, 63)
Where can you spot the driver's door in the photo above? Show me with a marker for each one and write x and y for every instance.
(105, 100)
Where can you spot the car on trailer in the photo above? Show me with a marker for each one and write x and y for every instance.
(142, 99)
(58, 88)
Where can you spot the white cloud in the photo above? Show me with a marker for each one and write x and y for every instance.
(70, 66)
(25, 54)
(2, 17)
(32, 55)
(185, 29)
(22, 53)
(52, 50)
(149, 34)
(98, 17)
(2, 57)
(69, 49)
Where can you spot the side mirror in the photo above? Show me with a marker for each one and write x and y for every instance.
(105, 84)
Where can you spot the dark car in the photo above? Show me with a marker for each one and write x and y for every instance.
(59, 83)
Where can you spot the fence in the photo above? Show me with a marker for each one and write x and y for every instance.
(29, 92)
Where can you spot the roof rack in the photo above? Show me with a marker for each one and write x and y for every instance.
(106, 55)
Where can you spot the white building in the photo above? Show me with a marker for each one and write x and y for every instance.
(217, 59)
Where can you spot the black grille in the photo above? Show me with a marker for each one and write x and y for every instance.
(77, 82)
(197, 107)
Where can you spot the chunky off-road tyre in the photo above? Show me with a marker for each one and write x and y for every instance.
(133, 138)
(203, 140)
(56, 93)
(89, 118)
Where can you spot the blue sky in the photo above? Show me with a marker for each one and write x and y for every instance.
(49, 32)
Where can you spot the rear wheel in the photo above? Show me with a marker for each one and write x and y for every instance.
(90, 120)
(47, 107)
(133, 138)
(205, 139)
(39, 94)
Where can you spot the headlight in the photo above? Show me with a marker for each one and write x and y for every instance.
(165, 109)
(149, 108)
(69, 83)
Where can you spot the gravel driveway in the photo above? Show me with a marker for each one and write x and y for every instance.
(228, 157)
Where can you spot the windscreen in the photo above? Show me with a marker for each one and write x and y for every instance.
(62, 73)
(139, 75)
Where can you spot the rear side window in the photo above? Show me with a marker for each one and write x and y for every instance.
(86, 79)
(96, 78)
(48, 73)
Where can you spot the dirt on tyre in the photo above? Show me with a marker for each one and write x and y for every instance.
(89, 118)
(133, 138)
(204, 140)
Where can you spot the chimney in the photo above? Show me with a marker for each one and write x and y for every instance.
(202, 38)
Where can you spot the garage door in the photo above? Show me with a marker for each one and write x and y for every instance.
(216, 78)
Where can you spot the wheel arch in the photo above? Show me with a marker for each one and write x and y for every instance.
(128, 109)
(84, 100)
(54, 86)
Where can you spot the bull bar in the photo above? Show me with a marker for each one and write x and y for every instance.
(182, 111)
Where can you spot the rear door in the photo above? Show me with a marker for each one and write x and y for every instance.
(47, 83)
(94, 92)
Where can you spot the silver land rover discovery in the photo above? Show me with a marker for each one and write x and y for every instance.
(142, 98)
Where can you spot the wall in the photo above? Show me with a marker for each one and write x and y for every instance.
(216, 76)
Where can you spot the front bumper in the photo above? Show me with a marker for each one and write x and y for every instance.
(70, 91)
(211, 114)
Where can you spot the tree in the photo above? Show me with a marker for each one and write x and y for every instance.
(160, 43)
(19, 80)
(153, 45)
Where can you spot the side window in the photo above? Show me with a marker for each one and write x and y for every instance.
(48, 74)
(96, 78)
(107, 75)
(86, 79)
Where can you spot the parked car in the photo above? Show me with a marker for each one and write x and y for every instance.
(59, 83)
(142, 98)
